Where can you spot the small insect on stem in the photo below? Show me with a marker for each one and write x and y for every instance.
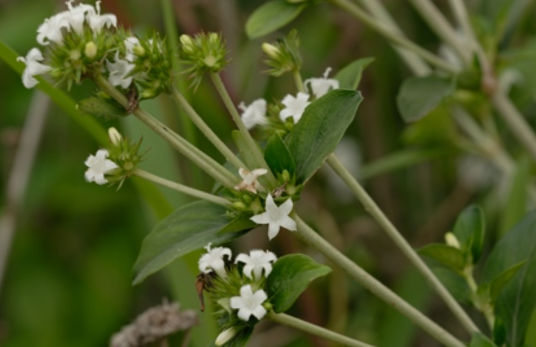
(203, 281)
(132, 96)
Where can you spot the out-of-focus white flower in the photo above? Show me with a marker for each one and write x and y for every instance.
(320, 86)
(33, 67)
(98, 165)
(255, 262)
(254, 114)
(119, 71)
(130, 43)
(249, 304)
(97, 21)
(276, 217)
(294, 106)
(249, 179)
(213, 260)
(225, 336)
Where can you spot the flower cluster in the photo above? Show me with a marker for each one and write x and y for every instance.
(237, 287)
(81, 42)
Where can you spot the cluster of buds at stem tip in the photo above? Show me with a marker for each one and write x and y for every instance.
(115, 164)
(202, 53)
(284, 55)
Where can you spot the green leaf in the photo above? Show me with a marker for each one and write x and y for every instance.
(320, 130)
(420, 95)
(481, 340)
(245, 151)
(272, 16)
(290, 276)
(446, 255)
(455, 284)
(516, 205)
(469, 230)
(517, 300)
(189, 228)
(278, 156)
(502, 280)
(350, 76)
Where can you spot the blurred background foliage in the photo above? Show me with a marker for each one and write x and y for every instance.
(69, 272)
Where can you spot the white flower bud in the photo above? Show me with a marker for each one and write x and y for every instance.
(452, 241)
(187, 43)
(90, 50)
(115, 136)
(225, 336)
(271, 50)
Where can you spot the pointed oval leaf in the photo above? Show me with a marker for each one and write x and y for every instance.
(189, 228)
(350, 76)
(517, 300)
(469, 230)
(420, 95)
(481, 340)
(272, 16)
(278, 157)
(502, 280)
(446, 255)
(320, 130)
(455, 284)
(290, 276)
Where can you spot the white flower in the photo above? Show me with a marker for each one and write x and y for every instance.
(294, 106)
(276, 217)
(249, 304)
(249, 179)
(77, 15)
(225, 336)
(119, 72)
(33, 67)
(213, 260)
(97, 21)
(51, 29)
(254, 114)
(98, 165)
(320, 86)
(255, 262)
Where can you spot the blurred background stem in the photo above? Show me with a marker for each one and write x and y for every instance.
(20, 172)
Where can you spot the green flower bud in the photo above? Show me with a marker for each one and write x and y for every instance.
(75, 55)
(187, 43)
(240, 206)
(115, 136)
(271, 50)
(225, 336)
(247, 198)
(285, 176)
(452, 241)
(284, 55)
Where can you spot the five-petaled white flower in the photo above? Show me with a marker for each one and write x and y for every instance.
(320, 86)
(255, 262)
(254, 114)
(33, 67)
(294, 106)
(213, 260)
(119, 71)
(98, 165)
(249, 304)
(249, 179)
(276, 217)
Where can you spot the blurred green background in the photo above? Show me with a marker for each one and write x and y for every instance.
(69, 271)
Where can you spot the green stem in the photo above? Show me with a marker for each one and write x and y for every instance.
(252, 144)
(299, 324)
(309, 236)
(515, 121)
(393, 36)
(182, 188)
(399, 240)
(414, 62)
(485, 308)
(209, 165)
(298, 80)
(205, 129)
(442, 28)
